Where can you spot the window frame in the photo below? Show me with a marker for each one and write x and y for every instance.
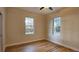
(54, 20)
(33, 26)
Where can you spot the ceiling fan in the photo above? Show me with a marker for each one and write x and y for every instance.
(50, 8)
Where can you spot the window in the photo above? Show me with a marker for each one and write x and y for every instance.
(29, 25)
(57, 24)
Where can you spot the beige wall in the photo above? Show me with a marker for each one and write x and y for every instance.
(15, 26)
(69, 28)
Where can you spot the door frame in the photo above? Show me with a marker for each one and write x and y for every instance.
(2, 11)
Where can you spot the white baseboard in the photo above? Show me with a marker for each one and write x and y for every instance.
(21, 43)
(64, 45)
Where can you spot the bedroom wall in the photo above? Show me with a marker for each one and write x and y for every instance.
(69, 27)
(15, 27)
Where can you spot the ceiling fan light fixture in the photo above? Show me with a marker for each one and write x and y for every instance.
(50, 8)
(41, 8)
(46, 7)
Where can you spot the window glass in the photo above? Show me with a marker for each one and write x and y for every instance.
(29, 25)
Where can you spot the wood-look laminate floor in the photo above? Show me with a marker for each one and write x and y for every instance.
(39, 46)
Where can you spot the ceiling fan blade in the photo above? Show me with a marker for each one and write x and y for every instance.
(50, 8)
(41, 8)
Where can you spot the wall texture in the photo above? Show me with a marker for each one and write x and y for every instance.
(69, 27)
(15, 26)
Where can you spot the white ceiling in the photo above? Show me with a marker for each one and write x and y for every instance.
(43, 11)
